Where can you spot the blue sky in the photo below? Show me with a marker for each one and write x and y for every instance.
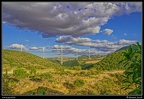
(50, 25)
(130, 24)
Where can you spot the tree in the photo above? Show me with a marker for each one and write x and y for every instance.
(71, 63)
(133, 71)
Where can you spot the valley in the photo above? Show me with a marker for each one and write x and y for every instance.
(33, 75)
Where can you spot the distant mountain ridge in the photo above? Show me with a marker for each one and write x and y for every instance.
(125, 47)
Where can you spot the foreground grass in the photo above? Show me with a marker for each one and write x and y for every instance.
(66, 82)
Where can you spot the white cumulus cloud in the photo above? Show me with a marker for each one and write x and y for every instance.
(101, 45)
(17, 46)
(125, 42)
(64, 18)
(107, 31)
(34, 48)
(58, 49)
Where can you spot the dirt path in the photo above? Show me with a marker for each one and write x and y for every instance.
(92, 61)
(9, 72)
(38, 71)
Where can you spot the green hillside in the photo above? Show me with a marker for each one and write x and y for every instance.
(110, 62)
(13, 59)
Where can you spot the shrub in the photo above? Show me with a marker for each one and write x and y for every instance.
(20, 73)
(86, 91)
(33, 72)
(71, 63)
(68, 85)
(82, 73)
(10, 79)
(42, 90)
(36, 79)
(6, 89)
(77, 68)
(46, 75)
(63, 72)
(79, 83)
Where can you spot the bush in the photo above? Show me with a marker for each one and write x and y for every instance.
(82, 73)
(71, 63)
(46, 75)
(36, 79)
(79, 83)
(86, 91)
(68, 85)
(33, 72)
(77, 68)
(6, 88)
(20, 73)
(42, 90)
(63, 72)
(87, 66)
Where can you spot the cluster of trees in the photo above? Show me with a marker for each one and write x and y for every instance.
(71, 63)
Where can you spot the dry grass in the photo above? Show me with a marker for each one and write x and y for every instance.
(57, 82)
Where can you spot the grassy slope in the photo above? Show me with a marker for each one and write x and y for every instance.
(57, 81)
(13, 59)
(110, 62)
